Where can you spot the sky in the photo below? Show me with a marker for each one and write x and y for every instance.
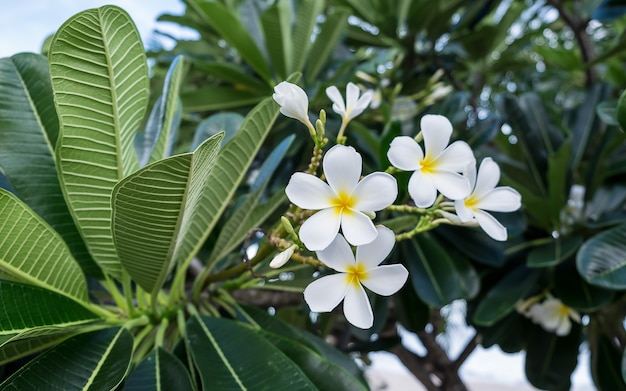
(25, 24)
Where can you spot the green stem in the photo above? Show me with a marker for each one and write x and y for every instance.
(160, 334)
(425, 224)
(128, 294)
(110, 286)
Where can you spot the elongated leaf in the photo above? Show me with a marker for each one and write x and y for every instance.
(165, 118)
(558, 177)
(553, 253)
(502, 297)
(229, 123)
(232, 31)
(306, 16)
(276, 22)
(437, 278)
(91, 361)
(576, 293)
(218, 98)
(601, 260)
(621, 112)
(159, 215)
(606, 364)
(32, 252)
(159, 371)
(100, 81)
(26, 308)
(29, 127)
(230, 356)
(235, 74)
(25, 347)
(330, 34)
(550, 359)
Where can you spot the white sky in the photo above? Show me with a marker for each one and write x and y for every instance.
(25, 24)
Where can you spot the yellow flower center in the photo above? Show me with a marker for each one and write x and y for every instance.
(343, 202)
(355, 274)
(471, 202)
(563, 311)
(428, 165)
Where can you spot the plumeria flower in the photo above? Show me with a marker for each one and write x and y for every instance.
(487, 197)
(344, 202)
(353, 106)
(324, 294)
(439, 167)
(294, 103)
(283, 257)
(553, 315)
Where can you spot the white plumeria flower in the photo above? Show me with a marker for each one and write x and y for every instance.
(353, 106)
(293, 101)
(344, 202)
(439, 167)
(324, 294)
(283, 257)
(553, 315)
(486, 196)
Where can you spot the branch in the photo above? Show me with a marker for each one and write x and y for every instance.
(418, 366)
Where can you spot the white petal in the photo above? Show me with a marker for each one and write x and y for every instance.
(386, 280)
(361, 104)
(488, 177)
(357, 308)
(437, 130)
(293, 101)
(463, 212)
(490, 225)
(372, 254)
(342, 167)
(338, 255)
(335, 96)
(319, 230)
(470, 173)
(501, 199)
(456, 157)
(405, 154)
(422, 189)
(375, 192)
(324, 294)
(357, 228)
(450, 184)
(282, 258)
(309, 192)
(352, 96)
(564, 327)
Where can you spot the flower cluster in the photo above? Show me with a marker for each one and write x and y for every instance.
(345, 204)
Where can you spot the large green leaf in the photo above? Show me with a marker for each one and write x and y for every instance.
(276, 22)
(165, 117)
(230, 356)
(26, 309)
(32, 252)
(601, 260)
(330, 34)
(219, 98)
(159, 213)
(437, 277)
(576, 293)
(159, 371)
(25, 347)
(29, 127)
(606, 364)
(100, 82)
(550, 359)
(306, 16)
(553, 253)
(94, 361)
(504, 295)
(234, 33)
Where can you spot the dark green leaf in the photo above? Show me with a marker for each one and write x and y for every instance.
(606, 364)
(601, 260)
(159, 371)
(230, 356)
(553, 253)
(92, 361)
(621, 111)
(326, 41)
(218, 98)
(276, 22)
(574, 292)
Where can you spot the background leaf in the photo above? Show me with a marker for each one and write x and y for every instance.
(601, 260)
(159, 371)
(100, 81)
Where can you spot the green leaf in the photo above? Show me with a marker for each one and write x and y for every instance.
(330, 34)
(501, 299)
(159, 213)
(607, 111)
(94, 361)
(26, 309)
(474, 244)
(229, 123)
(213, 98)
(437, 277)
(306, 16)
(558, 177)
(29, 127)
(234, 33)
(32, 252)
(550, 359)
(601, 260)
(165, 117)
(276, 22)
(621, 111)
(574, 292)
(230, 356)
(555, 252)
(25, 347)
(606, 364)
(100, 82)
(160, 370)
(239, 76)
